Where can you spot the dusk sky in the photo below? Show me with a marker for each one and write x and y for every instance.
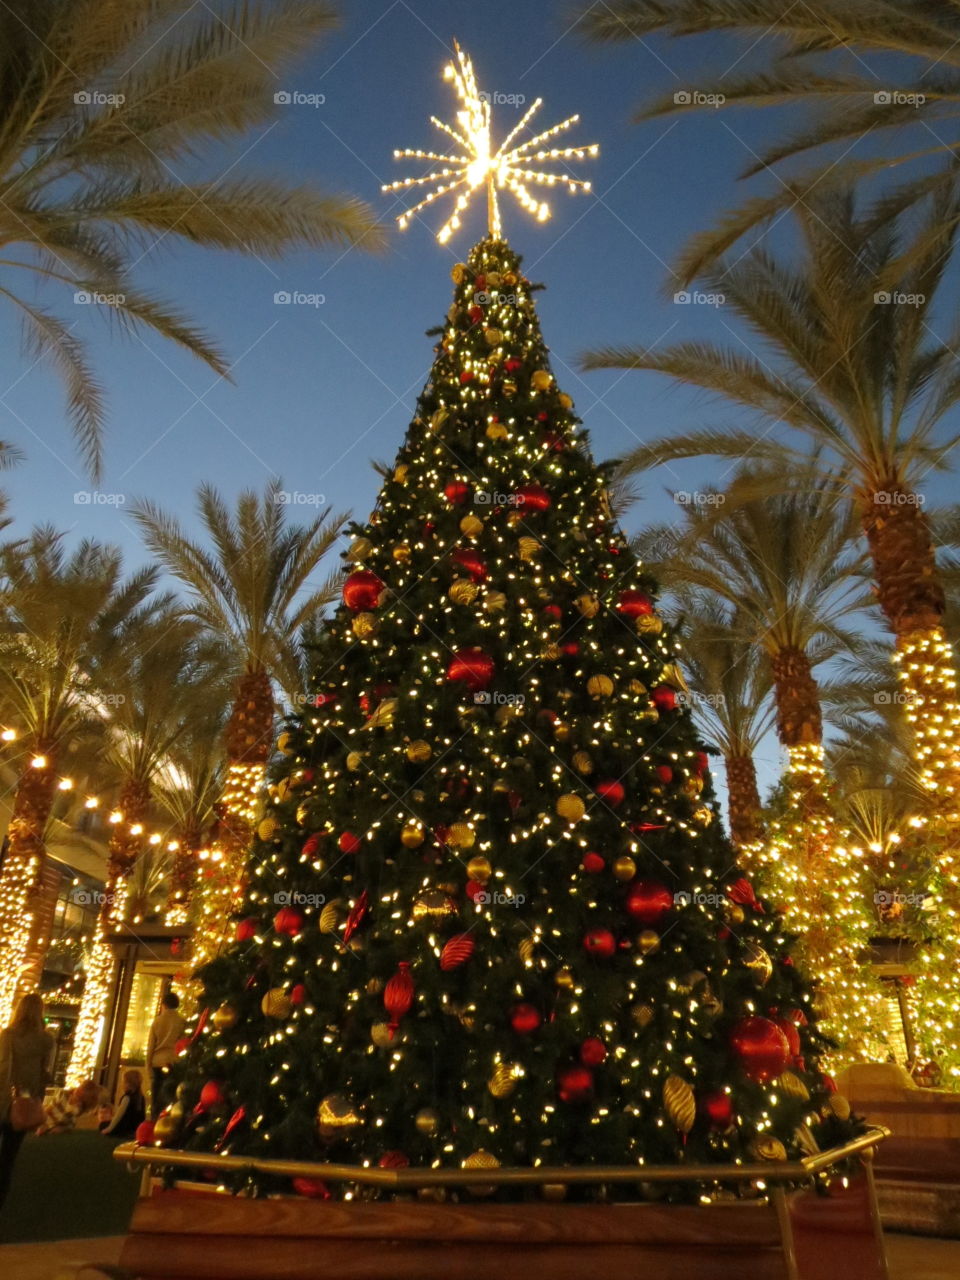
(321, 390)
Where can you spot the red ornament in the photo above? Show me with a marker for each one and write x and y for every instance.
(298, 994)
(599, 942)
(791, 1033)
(592, 1051)
(312, 1188)
(475, 314)
(829, 1084)
(741, 892)
(633, 604)
(288, 920)
(144, 1134)
(553, 611)
(664, 698)
(361, 591)
(356, 917)
(703, 762)
(570, 648)
(474, 888)
(398, 994)
(472, 667)
(592, 863)
(198, 1030)
(575, 1084)
(349, 842)
(480, 281)
(611, 791)
(182, 1045)
(761, 1048)
(525, 1018)
(466, 376)
(647, 901)
(474, 564)
(212, 1095)
(664, 773)
(532, 497)
(393, 1160)
(456, 951)
(512, 364)
(311, 845)
(247, 929)
(325, 700)
(718, 1108)
(456, 492)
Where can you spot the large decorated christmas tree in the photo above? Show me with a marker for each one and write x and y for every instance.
(491, 914)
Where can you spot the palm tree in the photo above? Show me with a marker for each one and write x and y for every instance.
(61, 616)
(252, 592)
(840, 361)
(101, 102)
(822, 65)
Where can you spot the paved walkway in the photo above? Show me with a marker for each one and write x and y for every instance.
(911, 1258)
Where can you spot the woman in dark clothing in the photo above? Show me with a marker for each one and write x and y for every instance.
(131, 1109)
(26, 1063)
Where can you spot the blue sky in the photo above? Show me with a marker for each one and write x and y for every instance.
(320, 390)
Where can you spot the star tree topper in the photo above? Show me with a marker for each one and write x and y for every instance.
(509, 168)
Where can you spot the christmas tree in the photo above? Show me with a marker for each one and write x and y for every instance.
(491, 914)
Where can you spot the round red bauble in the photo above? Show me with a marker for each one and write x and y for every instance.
(288, 920)
(181, 1045)
(466, 376)
(474, 888)
(512, 364)
(471, 667)
(664, 698)
(298, 993)
(525, 1018)
(664, 773)
(553, 611)
(311, 845)
(647, 901)
(532, 497)
(212, 1095)
(474, 564)
(633, 604)
(592, 1051)
(393, 1160)
(349, 842)
(829, 1083)
(592, 863)
(570, 648)
(312, 1188)
(247, 929)
(718, 1108)
(611, 791)
(703, 762)
(144, 1134)
(761, 1048)
(741, 892)
(791, 1033)
(476, 314)
(575, 1084)
(599, 942)
(456, 492)
(361, 591)
(325, 700)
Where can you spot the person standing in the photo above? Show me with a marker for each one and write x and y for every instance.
(166, 1029)
(26, 1068)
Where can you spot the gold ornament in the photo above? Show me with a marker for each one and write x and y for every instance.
(266, 828)
(401, 553)
(165, 1130)
(365, 624)
(733, 913)
(463, 591)
(438, 418)
(624, 867)
(427, 1121)
(638, 688)
(600, 686)
(509, 711)
(768, 1148)
(648, 624)
(360, 549)
(529, 548)
(693, 786)
(679, 1103)
(493, 337)
(494, 601)
(702, 816)
(642, 1014)
(552, 653)
(303, 813)
(582, 762)
(791, 1085)
(496, 431)
(503, 1081)
(354, 761)
(285, 743)
(510, 278)
(380, 1035)
(461, 835)
(561, 731)
(283, 789)
(276, 1003)
(527, 948)
(588, 605)
(330, 918)
(571, 808)
(481, 1160)
(541, 380)
(479, 869)
(433, 904)
(225, 1017)
(649, 942)
(412, 835)
(564, 401)
(459, 272)
(400, 473)
(564, 979)
(673, 676)
(509, 388)
(758, 962)
(839, 1105)
(471, 526)
(335, 1115)
(419, 751)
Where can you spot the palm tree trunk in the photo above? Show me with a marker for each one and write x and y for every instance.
(122, 853)
(183, 877)
(746, 827)
(910, 593)
(21, 873)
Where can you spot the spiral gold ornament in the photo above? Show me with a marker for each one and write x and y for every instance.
(582, 762)
(354, 761)
(496, 431)
(329, 920)
(792, 1086)
(766, 1147)
(419, 751)
(460, 835)
(679, 1103)
(570, 807)
(463, 591)
(494, 601)
(365, 625)
(471, 526)
(529, 548)
(758, 962)
(503, 1081)
(336, 1115)
(600, 686)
